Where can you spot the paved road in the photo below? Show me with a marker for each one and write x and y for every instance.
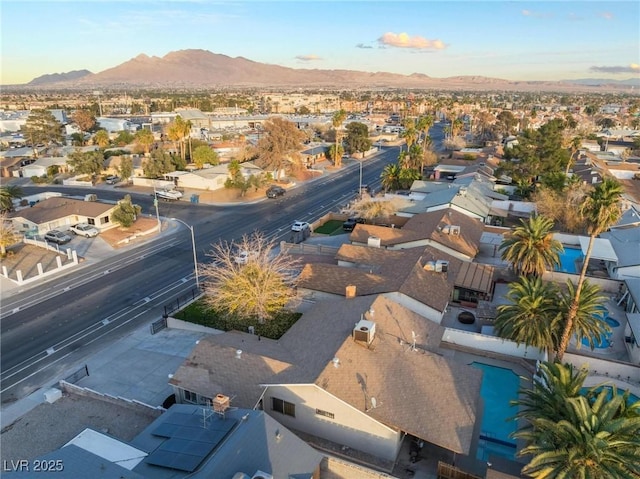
(50, 327)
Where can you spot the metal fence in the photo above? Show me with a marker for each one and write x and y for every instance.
(181, 301)
(78, 375)
(158, 325)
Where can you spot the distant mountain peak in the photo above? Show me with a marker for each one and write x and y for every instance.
(198, 68)
(59, 77)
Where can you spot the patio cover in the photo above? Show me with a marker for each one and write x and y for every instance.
(475, 277)
(634, 324)
(602, 249)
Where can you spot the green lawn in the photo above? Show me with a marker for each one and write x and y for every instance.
(198, 313)
(331, 227)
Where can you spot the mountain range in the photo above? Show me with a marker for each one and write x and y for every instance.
(197, 69)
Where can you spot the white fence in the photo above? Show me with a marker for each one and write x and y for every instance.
(607, 369)
(41, 273)
(492, 344)
(605, 285)
(151, 182)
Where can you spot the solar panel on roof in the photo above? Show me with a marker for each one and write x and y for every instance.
(190, 438)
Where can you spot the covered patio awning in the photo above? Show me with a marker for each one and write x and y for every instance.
(475, 277)
(602, 249)
(634, 324)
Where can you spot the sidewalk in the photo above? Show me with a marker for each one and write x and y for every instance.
(136, 367)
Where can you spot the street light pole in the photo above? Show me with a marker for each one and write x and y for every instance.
(360, 189)
(193, 244)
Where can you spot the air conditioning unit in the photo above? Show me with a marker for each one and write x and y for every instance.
(364, 331)
(373, 241)
(429, 266)
(91, 197)
(262, 475)
(454, 230)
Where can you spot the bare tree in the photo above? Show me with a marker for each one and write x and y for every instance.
(249, 279)
(8, 235)
(370, 208)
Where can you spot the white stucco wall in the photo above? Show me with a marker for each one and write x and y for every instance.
(416, 306)
(350, 427)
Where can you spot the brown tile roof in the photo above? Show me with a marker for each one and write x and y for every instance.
(378, 271)
(428, 226)
(60, 207)
(212, 367)
(416, 391)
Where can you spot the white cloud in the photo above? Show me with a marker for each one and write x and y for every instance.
(403, 40)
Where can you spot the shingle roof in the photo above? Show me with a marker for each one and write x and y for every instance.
(418, 392)
(213, 368)
(383, 271)
(60, 207)
(428, 226)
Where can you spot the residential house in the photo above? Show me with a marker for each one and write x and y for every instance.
(60, 213)
(41, 166)
(625, 243)
(447, 230)
(629, 297)
(212, 178)
(472, 196)
(364, 387)
(10, 167)
(193, 442)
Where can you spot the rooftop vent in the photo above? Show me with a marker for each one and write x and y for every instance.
(373, 241)
(452, 230)
(439, 266)
(262, 475)
(364, 331)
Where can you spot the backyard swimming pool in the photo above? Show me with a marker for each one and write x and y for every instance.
(499, 386)
(568, 260)
(604, 341)
(632, 397)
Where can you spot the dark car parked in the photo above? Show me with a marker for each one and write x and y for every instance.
(275, 191)
(351, 223)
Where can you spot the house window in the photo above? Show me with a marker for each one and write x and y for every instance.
(190, 397)
(283, 407)
(328, 414)
(91, 221)
(104, 220)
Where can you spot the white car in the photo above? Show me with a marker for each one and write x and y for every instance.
(169, 195)
(300, 226)
(84, 229)
(243, 257)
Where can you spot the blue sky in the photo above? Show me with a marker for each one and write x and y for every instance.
(518, 40)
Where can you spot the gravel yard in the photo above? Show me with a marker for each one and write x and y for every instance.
(48, 427)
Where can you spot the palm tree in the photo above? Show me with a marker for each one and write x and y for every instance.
(589, 321)
(531, 315)
(574, 435)
(601, 209)
(423, 125)
(576, 142)
(145, 139)
(337, 120)
(390, 177)
(410, 133)
(7, 194)
(101, 138)
(530, 247)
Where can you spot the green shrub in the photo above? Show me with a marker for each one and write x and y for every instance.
(198, 313)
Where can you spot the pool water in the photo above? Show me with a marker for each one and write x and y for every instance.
(604, 341)
(568, 260)
(499, 386)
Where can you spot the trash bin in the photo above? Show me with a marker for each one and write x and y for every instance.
(195, 198)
